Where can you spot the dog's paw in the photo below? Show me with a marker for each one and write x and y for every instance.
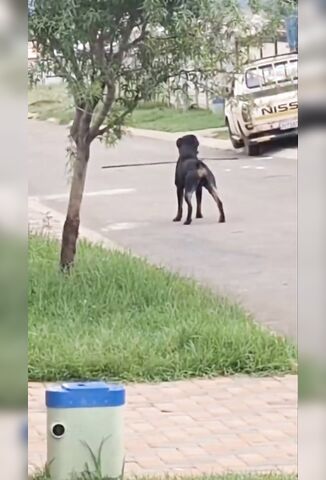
(221, 220)
(199, 215)
(177, 219)
(187, 222)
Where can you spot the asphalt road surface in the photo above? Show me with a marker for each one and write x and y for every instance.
(252, 257)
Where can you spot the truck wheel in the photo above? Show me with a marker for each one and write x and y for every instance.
(235, 143)
(252, 149)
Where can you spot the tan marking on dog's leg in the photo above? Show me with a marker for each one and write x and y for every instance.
(219, 204)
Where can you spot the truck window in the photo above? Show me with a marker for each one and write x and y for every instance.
(286, 71)
(268, 74)
(254, 78)
(281, 72)
(292, 69)
(271, 74)
(258, 77)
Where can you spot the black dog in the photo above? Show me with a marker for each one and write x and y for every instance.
(191, 175)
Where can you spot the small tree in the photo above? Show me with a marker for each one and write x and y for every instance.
(113, 53)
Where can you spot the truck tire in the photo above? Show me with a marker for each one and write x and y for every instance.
(235, 143)
(252, 149)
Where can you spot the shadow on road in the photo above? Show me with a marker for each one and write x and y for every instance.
(276, 146)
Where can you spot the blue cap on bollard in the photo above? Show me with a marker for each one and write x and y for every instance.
(85, 395)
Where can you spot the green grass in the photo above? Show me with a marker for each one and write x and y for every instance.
(54, 102)
(254, 476)
(51, 102)
(116, 317)
(173, 120)
(222, 135)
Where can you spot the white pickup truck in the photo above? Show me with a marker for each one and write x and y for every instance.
(262, 103)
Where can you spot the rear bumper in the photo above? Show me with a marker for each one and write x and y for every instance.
(272, 135)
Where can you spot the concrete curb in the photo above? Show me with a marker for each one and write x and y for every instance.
(46, 221)
(204, 139)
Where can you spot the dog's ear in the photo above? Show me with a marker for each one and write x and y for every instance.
(179, 142)
(195, 140)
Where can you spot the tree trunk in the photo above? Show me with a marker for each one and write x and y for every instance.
(206, 95)
(197, 95)
(71, 226)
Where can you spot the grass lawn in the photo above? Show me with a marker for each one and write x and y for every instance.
(51, 102)
(54, 102)
(222, 135)
(255, 476)
(116, 317)
(173, 120)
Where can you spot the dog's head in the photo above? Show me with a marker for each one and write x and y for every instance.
(189, 143)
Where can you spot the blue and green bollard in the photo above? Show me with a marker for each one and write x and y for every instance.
(85, 429)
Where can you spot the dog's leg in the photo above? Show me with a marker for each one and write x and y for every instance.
(213, 191)
(199, 193)
(188, 196)
(180, 200)
(191, 185)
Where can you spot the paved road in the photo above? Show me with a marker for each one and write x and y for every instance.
(252, 257)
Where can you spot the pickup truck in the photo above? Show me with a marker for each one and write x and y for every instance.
(262, 103)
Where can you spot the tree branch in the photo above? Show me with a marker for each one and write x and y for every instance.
(75, 126)
(109, 99)
(139, 39)
(119, 120)
(125, 37)
(118, 57)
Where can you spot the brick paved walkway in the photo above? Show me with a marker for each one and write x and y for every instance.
(200, 426)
